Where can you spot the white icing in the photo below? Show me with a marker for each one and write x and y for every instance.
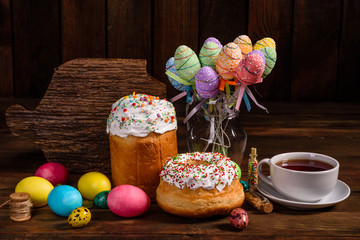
(140, 114)
(220, 172)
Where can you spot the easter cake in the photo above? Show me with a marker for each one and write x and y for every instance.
(142, 135)
(199, 185)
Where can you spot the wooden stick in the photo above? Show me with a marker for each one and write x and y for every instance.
(258, 201)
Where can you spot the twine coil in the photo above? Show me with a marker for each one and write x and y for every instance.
(20, 206)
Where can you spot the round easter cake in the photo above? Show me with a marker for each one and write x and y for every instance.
(199, 185)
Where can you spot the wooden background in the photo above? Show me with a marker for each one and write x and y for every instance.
(317, 40)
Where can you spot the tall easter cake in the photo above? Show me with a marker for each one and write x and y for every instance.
(142, 134)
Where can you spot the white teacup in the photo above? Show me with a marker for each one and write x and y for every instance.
(301, 185)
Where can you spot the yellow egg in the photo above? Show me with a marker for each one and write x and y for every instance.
(38, 188)
(79, 217)
(265, 42)
(92, 183)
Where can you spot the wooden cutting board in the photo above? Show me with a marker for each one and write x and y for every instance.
(69, 124)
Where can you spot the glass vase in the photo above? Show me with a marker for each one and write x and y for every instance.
(213, 130)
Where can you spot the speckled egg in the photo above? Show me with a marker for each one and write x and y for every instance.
(101, 199)
(246, 185)
(170, 66)
(187, 63)
(208, 54)
(265, 42)
(228, 59)
(244, 43)
(79, 217)
(239, 218)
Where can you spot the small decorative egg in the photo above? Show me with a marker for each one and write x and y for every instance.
(238, 170)
(92, 183)
(208, 54)
(170, 66)
(128, 201)
(79, 217)
(244, 43)
(270, 60)
(207, 83)
(187, 63)
(38, 188)
(215, 40)
(88, 203)
(245, 184)
(251, 68)
(228, 59)
(101, 199)
(239, 218)
(63, 199)
(265, 42)
(54, 172)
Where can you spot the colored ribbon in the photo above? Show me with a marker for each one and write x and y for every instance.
(177, 78)
(194, 110)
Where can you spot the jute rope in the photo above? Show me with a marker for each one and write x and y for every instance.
(20, 206)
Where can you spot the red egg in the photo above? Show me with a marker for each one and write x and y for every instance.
(128, 201)
(55, 173)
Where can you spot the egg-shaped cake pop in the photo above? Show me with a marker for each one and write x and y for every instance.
(270, 60)
(228, 59)
(207, 82)
(187, 63)
(244, 43)
(251, 67)
(215, 40)
(170, 66)
(208, 54)
(265, 42)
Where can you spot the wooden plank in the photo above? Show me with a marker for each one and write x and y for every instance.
(315, 50)
(83, 29)
(274, 19)
(6, 60)
(129, 30)
(222, 21)
(36, 35)
(69, 124)
(175, 24)
(349, 83)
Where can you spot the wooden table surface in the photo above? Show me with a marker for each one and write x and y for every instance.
(328, 128)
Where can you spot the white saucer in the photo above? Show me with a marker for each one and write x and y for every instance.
(340, 193)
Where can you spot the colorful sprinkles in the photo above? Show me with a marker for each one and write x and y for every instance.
(140, 114)
(183, 170)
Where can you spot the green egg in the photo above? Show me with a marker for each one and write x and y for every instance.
(270, 60)
(246, 186)
(187, 63)
(208, 54)
(100, 199)
(238, 170)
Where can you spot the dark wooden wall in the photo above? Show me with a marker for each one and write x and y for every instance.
(317, 40)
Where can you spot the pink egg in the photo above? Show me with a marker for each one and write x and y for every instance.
(55, 173)
(128, 201)
(251, 68)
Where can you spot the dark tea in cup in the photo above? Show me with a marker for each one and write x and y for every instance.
(306, 165)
